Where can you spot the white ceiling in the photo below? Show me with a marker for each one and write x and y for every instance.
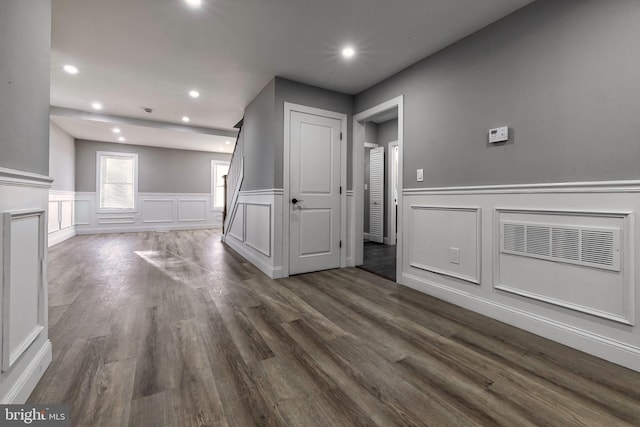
(149, 53)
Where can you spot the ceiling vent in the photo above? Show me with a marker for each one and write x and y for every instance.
(586, 246)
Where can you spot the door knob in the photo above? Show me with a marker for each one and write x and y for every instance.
(294, 200)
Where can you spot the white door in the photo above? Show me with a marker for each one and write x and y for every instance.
(314, 188)
(376, 195)
(393, 192)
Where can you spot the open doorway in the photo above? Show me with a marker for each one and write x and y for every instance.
(378, 184)
(380, 194)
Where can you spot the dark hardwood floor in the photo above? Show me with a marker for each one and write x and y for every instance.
(174, 329)
(380, 259)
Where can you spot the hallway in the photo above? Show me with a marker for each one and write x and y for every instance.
(176, 329)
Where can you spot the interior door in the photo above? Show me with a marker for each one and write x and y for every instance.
(376, 195)
(314, 187)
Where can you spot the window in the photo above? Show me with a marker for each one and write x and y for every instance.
(218, 170)
(117, 181)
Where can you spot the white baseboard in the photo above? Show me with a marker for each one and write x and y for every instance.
(138, 229)
(61, 236)
(597, 345)
(20, 391)
(272, 272)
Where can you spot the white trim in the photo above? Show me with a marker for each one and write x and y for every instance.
(629, 186)
(22, 178)
(268, 192)
(134, 156)
(370, 145)
(286, 217)
(215, 163)
(598, 345)
(28, 379)
(358, 178)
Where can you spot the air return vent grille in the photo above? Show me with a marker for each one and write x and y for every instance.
(587, 246)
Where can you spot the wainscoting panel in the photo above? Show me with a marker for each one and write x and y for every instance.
(547, 268)
(61, 216)
(446, 240)
(555, 259)
(258, 227)
(84, 211)
(157, 210)
(25, 349)
(256, 230)
(66, 214)
(192, 210)
(237, 223)
(54, 217)
(23, 284)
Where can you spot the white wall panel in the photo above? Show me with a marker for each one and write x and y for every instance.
(22, 293)
(25, 344)
(436, 232)
(54, 217)
(84, 211)
(258, 227)
(157, 210)
(192, 210)
(66, 214)
(237, 224)
(587, 302)
(257, 235)
(600, 292)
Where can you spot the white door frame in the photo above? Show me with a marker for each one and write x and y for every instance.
(391, 220)
(357, 218)
(286, 217)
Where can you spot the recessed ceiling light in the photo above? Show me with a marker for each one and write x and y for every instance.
(96, 106)
(70, 69)
(121, 139)
(194, 3)
(194, 94)
(116, 130)
(227, 142)
(348, 52)
(185, 119)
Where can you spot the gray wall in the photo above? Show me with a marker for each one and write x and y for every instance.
(160, 170)
(62, 159)
(25, 45)
(260, 148)
(264, 128)
(310, 96)
(564, 76)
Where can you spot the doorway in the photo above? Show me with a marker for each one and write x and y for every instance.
(377, 176)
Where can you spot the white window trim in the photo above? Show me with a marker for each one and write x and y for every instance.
(213, 183)
(133, 156)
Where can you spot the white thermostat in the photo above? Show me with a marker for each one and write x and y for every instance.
(498, 135)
